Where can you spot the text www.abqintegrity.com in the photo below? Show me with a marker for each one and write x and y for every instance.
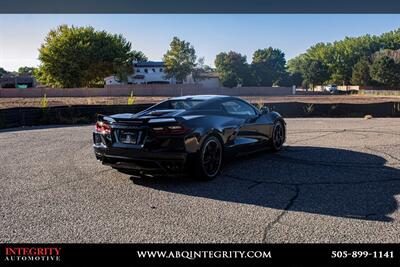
(204, 254)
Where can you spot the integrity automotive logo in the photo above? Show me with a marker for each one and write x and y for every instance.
(32, 254)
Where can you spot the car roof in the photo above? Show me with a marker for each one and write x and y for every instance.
(197, 97)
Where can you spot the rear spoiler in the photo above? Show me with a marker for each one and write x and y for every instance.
(100, 117)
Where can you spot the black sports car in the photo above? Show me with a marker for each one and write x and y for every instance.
(186, 134)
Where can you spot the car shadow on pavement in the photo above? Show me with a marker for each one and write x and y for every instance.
(317, 180)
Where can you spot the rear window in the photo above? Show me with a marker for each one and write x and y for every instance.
(178, 104)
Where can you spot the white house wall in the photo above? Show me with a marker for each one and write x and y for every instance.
(210, 82)
(154, 74)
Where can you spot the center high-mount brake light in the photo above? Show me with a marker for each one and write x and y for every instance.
(103, 128)
(170, 130)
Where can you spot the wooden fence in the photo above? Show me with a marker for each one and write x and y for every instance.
(145, 90)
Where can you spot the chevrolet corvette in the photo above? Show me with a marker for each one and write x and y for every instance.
(187, 134)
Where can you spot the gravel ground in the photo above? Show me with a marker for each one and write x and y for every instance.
(337, 180)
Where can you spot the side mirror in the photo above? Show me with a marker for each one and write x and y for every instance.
(264, 110)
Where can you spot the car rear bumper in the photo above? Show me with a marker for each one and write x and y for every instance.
(142, 161)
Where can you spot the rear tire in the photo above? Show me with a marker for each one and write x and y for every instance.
(209, 161)
(278, 136)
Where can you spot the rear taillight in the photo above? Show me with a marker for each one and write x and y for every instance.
(103, 127)
(170, 130)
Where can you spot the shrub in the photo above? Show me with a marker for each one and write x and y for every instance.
(44, 103)
(309, 108)
(131, 99)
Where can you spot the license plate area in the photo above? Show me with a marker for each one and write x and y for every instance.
(128, 136)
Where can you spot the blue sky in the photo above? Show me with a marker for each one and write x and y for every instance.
(21, 35)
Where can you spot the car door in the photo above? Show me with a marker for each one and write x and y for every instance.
(245, 136)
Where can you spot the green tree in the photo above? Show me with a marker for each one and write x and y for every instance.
(340, 57)
(199, 70)
(295, 68)
(394, 54)
(296, 64)
(386, 71)
(390, 40)
(233, 69)
(292, 79)
(269, 66)
(360, 74)
(230, 79)
(26, 70)
(122, 69)
(306, 70)
(180, 60)
(314, 73)
(82, 56)
(139, 56)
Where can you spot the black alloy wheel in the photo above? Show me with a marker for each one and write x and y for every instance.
(278, 136)
(210, 161)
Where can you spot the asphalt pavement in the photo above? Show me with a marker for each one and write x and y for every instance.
(336, 180)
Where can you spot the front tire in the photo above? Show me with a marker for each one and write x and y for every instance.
(278, 136)
(209, 162)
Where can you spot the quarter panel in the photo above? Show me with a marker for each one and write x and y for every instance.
(224, 127)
